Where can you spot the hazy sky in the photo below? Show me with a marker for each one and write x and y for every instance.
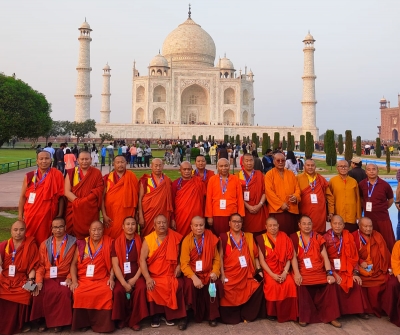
(356, 59)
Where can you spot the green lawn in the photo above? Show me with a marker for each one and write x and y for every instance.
(5, 224)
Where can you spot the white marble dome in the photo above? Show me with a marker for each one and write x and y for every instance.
(85, 25)
(159, 61)
(309, 38)
(226, 64)
(189, 45)
(106, 67)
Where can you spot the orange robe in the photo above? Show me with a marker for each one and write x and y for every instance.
(205, 179)
(278, 189)
(162, 262)
(188, 202)
(392, 292)
(396, 259)
(85, 209)
(39, 215)
(120, 200)
(316, 211)
(254, 223)
(156, 200)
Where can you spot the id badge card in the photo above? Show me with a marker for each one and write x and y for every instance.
(90, 270)
(242, 261)
(307, 263)
(199, 266)
(53, 272)
(314, 199)
(246, 195)
(11, 271)
(222, 204)
(31, 198)
(127, 267)
(336, 263)
(368, 206)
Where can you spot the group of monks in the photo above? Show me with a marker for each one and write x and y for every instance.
(227, 247)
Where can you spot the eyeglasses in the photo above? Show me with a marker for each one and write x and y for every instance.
(57, 227)
(342, 167)
(280, 160)
(236, 221)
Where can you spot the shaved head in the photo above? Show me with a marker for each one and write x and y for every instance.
(157, 161)
(186, 164)
(222, 160)
(19, 224)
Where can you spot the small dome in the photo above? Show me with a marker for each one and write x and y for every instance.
(226, 64)
(85, 25)
(159, 61)
(251, 73)
(383, 99)
(309, 37)
(106, 67)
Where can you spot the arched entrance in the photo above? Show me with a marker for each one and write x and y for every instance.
(229, 117)
(195, 107)
(159, 116)
(395, 135)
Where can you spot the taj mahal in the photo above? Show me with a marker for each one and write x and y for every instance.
(186, 92)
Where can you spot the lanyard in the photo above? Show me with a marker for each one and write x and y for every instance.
(362, 239)
(223, 189)
(58, 252)
(309, 243)
(130, 248)
(80, 173)
(199, 248)
(312, 185)
(241, 242)
(340, 245)
(372, 189)
(154, 182)
(90, 251)
(198, 174)
(41, 180)
(179, 183)
(248, 180)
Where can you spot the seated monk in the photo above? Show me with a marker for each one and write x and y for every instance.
(275, 252)
(130, 303)
(243, 296)
(313, 275)
(374, 265)
(92, 282)
(200, 263)
(343, 256)
(53, 295)
(19, 258)
(159, 263)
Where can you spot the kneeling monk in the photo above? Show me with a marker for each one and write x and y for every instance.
(92, 282)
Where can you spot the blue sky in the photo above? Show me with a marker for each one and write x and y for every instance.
(356, 59)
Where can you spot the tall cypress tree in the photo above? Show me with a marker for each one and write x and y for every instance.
(330, 148)
(358, 145)
(309, 145)
(378, 150)
(348, 153)
(302, 143)
(276, 140)
(340, 144)
(290, 145)
(265, 143)
(284, 143)
(388, 160)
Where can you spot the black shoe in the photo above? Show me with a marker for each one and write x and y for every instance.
(271, 318)
(213, 323)
(183, 323)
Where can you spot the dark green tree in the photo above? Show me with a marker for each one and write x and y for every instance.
(276, 141)
(293, 142)
(105, 137)
(82, 129)
(226, 138)
(238, 139)
(302, 143)
(254, 138)
(194, 138)
(340, 144)
(265, 146)
(290, 145)
(358, 146)
(201, 138)
(268, 142)
(309, 146)
(330, 148)
(284, 143)
(348, 153)
(388, 160)
(378, 150)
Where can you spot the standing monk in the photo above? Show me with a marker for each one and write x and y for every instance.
(392, 297)
(120, 197)
(188, 199)
(377, 198)
(313, 275)
(253, 196)
(159, 263)
(18, 259)
(200, 263)
(283, 195)
(346, 196)
(84, 189)
(154, 197)
(53, 298)
(41, 198)
(275, 252)
(315, 195)
(201, 170)
(224, 197)
(343, 255)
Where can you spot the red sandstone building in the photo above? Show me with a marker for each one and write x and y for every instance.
(390, 118)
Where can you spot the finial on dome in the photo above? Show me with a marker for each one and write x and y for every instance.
(224, 54)
(159, 52)
(190, 13)
(85, 18)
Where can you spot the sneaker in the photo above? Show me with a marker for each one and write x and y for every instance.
(168, 323)
(155, 321)
(336, 323)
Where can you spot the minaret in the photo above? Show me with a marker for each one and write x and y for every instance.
(82, 96)
(105, 96)
(308, 102)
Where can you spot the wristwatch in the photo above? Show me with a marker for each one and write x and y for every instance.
(329, 273)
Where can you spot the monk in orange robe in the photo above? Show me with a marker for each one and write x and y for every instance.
(254, 197)
(130, 302)
(120, 197)
(159, 263)
(18, 259)
(84, 189)
(313, 275)
(392, 293)
(53, 297)
(315, 194)
(343, 256)
(374, 264)
(92, 282)
(224, 197)
(200, 264)
(154, 197)
(188, 199)
(275, 250)
(283, 195)
(243, 296)
(41, 198)
(201, 170)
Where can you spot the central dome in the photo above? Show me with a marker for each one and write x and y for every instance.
(189, 45)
